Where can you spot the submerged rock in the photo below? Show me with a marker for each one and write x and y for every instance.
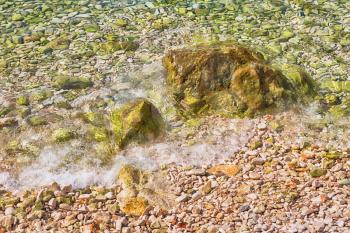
(22, 100)
(138, 121)
(230, 80)
(36, 120)
(259, 86)
(62, 135)
(59, 43)
(114, 43)
(65, 82)
(340, 110)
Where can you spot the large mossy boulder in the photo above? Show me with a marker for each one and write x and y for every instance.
(138, 121)
(231, 80)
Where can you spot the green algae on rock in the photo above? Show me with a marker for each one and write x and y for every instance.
(340, 110)
(138, 121)
(259, 86)
(36, 120)
(4, 110)
(98, 134)
(332, 155)
(231, 80)
(66, 82)
(317, 172)
(3, 64)
(22, 100)
(59, 43)
(114, 43)
(17, 17)
(63, 135)
(336, 86)
(130, 176)
(300, 79)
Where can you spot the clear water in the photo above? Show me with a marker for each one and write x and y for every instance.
(312, 34)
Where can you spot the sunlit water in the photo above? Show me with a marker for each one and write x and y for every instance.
(148, 80)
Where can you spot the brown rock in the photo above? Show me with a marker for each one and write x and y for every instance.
(259, 86)
(230, 80)
(134, 206)
(228, 170)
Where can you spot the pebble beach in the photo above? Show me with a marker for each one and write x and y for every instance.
(110, 120)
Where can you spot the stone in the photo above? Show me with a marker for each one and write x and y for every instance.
(121, 22)
(244, 208)
(3, 64)
(300, 79)
(59, 43)
(259, 86)
(206, 188)
(17, 17)
(134, 206)
(345, 182)
(66, 82)
(138, 121)
(10, 211)
(8, 122)
(229, 80)
(36, 120)
(228, 170)
(63, 135)
(336, 86)
(22, 100)
(129, 176)
(52, 203)
(317, 172)
(90, 228)
(98, 134)
(331, 155)
(65, 206)
(4, 110)
(91, 28)
(184, 197)
(7, 221)
(114, 44)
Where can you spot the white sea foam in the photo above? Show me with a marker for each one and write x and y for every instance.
(47, 167)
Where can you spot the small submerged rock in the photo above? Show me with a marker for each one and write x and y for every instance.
(65, 82)
(62, 135)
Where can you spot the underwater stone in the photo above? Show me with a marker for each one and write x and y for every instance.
(17, 17)
(22, 100)
(230, 80)
(36, 120)
(138, 121)
(63, 135)
(66, 82)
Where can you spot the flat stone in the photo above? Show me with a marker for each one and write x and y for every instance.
(184, 197)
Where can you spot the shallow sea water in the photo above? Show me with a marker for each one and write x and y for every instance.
(313, 34)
